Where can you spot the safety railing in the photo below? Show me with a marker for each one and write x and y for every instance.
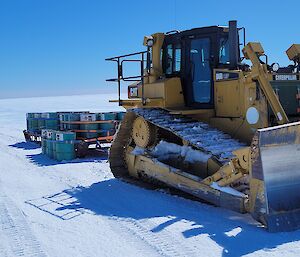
(138, 57)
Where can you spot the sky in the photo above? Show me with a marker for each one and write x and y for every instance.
(58, 47)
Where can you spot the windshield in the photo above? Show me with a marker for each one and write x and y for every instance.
(224, 51)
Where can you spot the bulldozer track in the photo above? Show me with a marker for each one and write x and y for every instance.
(199, 135)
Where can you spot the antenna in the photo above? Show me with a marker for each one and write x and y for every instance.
(175, 15)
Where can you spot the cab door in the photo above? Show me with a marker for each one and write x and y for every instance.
(197, 80)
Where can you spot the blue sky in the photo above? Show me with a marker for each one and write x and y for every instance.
(58, 47)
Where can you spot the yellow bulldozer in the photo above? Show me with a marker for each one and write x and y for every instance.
(208, 115)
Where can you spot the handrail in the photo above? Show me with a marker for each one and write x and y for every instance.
(122, 56)
(120, 61)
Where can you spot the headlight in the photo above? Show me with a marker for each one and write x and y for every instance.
(275, 67)
(150, 42)
(252, 115)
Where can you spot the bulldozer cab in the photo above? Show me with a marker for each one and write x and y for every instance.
(193, 54)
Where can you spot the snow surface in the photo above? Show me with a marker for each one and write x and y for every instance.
(78, 209)
(228, 190)
(166, 149)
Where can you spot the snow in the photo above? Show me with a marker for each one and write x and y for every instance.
(164, 149)
(228, 190)
(77, 208)
(138, 150)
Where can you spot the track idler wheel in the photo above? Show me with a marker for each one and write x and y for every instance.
(144, 133)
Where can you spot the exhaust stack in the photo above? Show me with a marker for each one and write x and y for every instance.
(233, 45)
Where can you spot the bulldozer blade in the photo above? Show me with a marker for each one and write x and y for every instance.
(276, 163)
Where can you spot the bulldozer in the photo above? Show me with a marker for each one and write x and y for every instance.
(207, 114)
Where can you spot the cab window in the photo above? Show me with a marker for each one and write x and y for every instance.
(224, 51)
(177, 52)
(169, 67)
(172, 59)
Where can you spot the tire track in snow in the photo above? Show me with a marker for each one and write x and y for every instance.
(164, 243)
(15, 232)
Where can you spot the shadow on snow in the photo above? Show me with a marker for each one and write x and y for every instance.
(43, 160)
(26, 145)
(114, 198)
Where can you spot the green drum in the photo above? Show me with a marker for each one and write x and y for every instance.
(29, 124)
(120, 115)
(37, 115)
(109, 125)
(44, 145)
(108, 116)
(61, 118)
(52, 115)
(51, 123)
(44, 133)
(73, 117)
(51, 120)
(49, 148)
(69, 117)
(50, 143)
(44, 142)
(44, 115)
(32, 122)
(65, 136)
(91, 130)
(64, 150)
(89, 117)
(29, 115)
(41, 123)
(64, 146)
